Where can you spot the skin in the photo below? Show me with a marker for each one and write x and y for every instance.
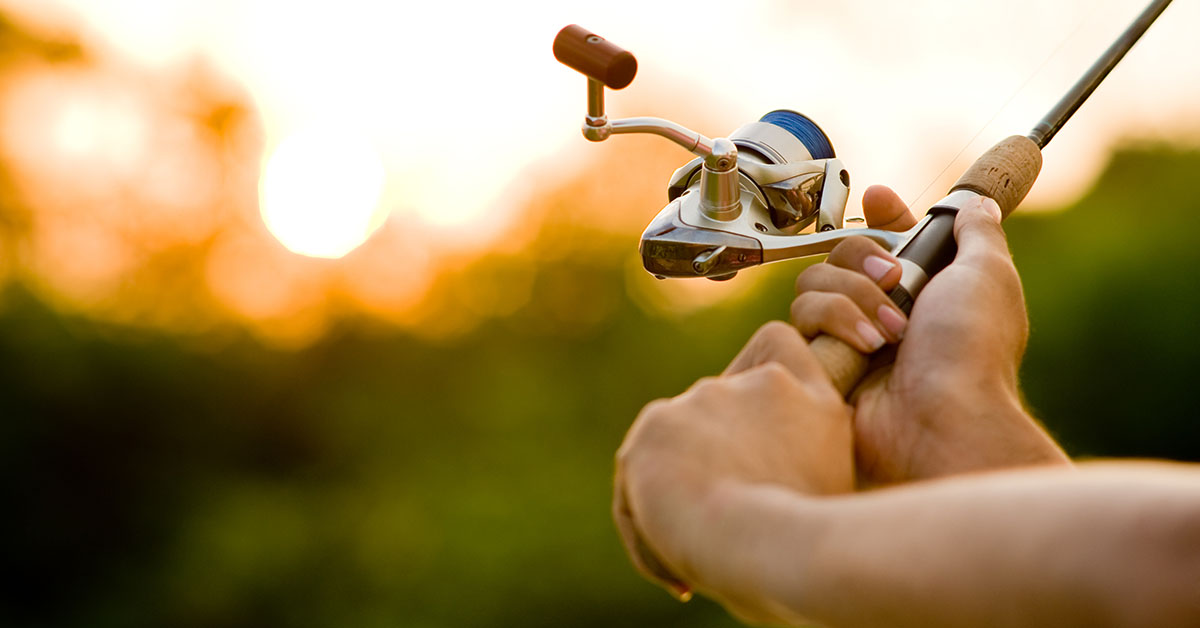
(742, 488)
(1100, 545)
(680, 449)
(949, 403)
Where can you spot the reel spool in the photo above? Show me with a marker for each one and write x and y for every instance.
(780, 137)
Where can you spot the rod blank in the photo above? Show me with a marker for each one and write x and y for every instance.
(1058, 116)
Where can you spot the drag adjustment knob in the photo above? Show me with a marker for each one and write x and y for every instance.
(595, 56)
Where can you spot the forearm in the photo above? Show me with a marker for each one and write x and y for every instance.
(1104, 545)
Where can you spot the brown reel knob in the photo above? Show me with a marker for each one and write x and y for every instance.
(595, 56)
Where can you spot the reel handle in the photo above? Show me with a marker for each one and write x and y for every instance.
(595, 57)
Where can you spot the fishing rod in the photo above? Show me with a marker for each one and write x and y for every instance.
(775, 190)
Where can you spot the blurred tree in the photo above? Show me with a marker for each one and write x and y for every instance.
(1114, 307)
(375, 478)
(19, 48)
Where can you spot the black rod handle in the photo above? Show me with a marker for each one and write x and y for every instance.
(1005, 173)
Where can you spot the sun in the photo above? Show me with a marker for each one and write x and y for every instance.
(320, 190)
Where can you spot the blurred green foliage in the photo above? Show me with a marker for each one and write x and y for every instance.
(375, 479)
(1114, 304)
(372, 479)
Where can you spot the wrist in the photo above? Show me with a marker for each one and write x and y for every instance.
(756, 556)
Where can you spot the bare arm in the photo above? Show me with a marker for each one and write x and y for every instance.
(1103, 545)
(741, 488)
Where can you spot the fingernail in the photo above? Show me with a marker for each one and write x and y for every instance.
(870, 336)
(892, 320)
(876, 267)
(681, 592)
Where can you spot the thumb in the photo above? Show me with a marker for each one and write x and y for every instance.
(884, 209)
(978, 232)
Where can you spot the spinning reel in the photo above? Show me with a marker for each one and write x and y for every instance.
(773, 190)
(751, 198)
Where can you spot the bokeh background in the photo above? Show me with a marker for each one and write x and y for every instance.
(323, 314)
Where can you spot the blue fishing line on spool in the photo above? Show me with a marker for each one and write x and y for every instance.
(803, 129)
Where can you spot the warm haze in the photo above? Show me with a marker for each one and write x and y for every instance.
(432, 124)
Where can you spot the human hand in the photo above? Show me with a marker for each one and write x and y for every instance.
(771, 419)
(949, 403)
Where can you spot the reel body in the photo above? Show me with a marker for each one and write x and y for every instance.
(809, 189)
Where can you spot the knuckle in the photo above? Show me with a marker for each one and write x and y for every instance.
(773, 375)
(799, 306)
(654, 426)
(653, 409)
(850, 250)
(813, 277)
(839, 306)
(775, 332)
(815, 310)
(801, 317)
(621, 460)
(703, 385)
(853, 243)
(621, 457)
(861, 288)
(769, 338)
(647, 423)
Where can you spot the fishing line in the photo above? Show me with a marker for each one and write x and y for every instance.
(1053, 53)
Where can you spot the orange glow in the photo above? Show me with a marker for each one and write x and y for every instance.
(192, 141)
(76, 124)
(389, 275)
(320, 192)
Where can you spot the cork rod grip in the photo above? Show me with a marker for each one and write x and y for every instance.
(1004, 173)
(844, 364)
(595, 56)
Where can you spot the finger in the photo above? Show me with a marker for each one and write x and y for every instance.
(884, 209)
(865, 256)
(778, 342)
(979, 236)
(871, 300)
(837, 315)
(644, 560)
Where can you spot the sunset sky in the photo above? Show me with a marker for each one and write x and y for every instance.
(456, 103)
(426, 130)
